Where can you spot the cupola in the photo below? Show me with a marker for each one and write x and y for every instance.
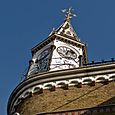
(61, 50)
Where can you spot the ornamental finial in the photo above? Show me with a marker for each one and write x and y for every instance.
(69, 14)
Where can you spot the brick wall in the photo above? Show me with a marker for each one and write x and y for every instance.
(73, 98)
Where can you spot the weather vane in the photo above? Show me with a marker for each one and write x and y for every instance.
(69, 14)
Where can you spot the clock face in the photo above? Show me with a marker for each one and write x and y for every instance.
(68, 59)
(43, 60)
(66, 52)
(44, 54)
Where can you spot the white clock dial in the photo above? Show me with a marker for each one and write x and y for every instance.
(68, 58)
(66, 52)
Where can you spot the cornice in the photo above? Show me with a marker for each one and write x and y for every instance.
(57, 36)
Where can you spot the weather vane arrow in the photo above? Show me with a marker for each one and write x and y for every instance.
(69, 14)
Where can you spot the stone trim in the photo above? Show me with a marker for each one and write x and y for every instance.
(38, 88)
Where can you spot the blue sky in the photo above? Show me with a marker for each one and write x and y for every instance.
(25, 23)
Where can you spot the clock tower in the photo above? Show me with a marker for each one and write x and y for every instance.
(61, 50)
(60, 81)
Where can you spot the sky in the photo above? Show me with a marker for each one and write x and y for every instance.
(25, 23)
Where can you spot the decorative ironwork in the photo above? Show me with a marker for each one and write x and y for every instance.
(69, 14)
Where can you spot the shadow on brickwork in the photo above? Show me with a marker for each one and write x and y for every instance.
(105, 108)
(108, 102)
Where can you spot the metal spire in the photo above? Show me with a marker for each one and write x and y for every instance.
(69, 14)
